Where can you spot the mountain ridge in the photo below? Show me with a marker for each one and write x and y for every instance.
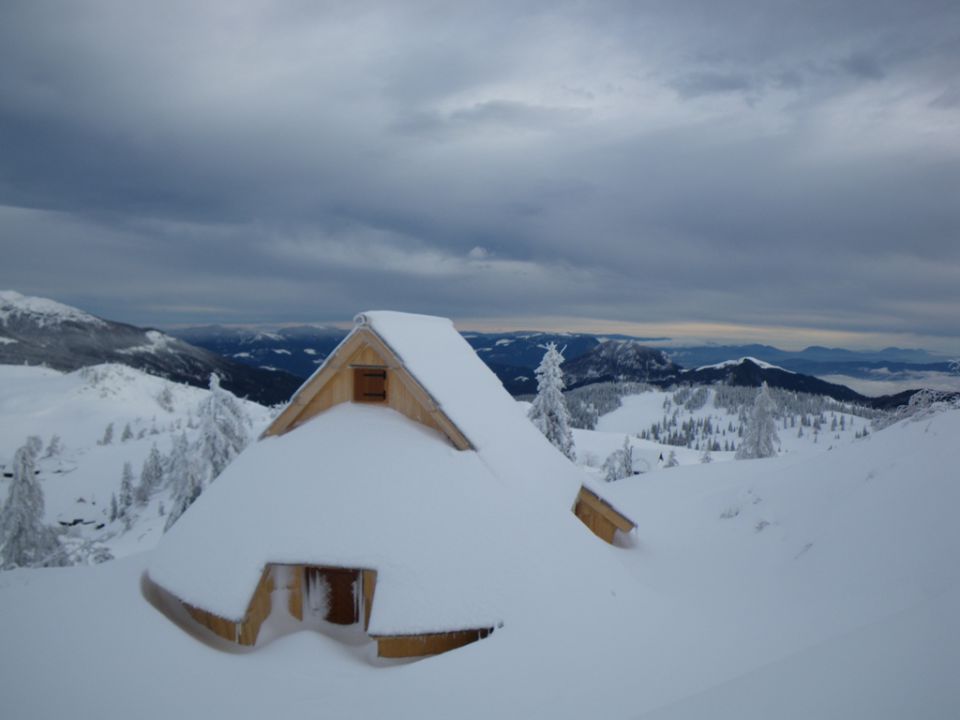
(38, 331)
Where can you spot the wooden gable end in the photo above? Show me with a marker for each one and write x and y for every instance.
(364, 369)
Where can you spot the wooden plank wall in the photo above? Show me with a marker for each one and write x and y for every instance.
(389, 646)
(257, 610)
(600, 516)
(599, 525)
(401, 646)
(227, 629)
(335, 385)
(338, 388)
(294, 589)
(369, 582)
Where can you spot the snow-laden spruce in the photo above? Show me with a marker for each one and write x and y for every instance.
(151, 476)
(619, 464)
(25, 541)
(760, 434)
(549, 410)
(224, 429)
(224, 432)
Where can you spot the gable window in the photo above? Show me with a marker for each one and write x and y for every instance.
(369, 384)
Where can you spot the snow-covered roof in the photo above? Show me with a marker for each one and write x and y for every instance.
(474, 399)
(363, 486)
(357, 486)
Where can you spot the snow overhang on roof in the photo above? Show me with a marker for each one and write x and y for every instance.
(357, 486)
(448, 531)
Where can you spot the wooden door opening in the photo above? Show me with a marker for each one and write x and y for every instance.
(332, 594)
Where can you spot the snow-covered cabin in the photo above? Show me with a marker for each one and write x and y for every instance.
(402, 488)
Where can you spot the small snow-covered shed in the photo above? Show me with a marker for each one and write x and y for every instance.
(393, 492)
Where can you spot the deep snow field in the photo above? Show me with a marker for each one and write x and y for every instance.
(80, 478)
(637, 412)
(819, 584)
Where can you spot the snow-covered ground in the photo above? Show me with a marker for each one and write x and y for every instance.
(886, 383)
(819, 584)
(81, 476)
(637, 412)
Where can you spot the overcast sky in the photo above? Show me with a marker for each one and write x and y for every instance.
(749, 169)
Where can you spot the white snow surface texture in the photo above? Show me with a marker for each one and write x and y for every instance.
(451, 533)
(46, 312)
(842, 606)
(474, 399)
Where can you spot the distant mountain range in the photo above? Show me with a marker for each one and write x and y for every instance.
(513, 356)
(267, 365)
(298, 350)
(817, 360)
(37, 331)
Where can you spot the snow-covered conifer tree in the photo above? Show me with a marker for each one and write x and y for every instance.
(549, 410)
(127, 433)
(107, 435)
(671, 460)
(126, 498)
(188, 489)
(165, 399)
(151, 476)
(34, 445)
(224, 429)
(760, 434)
(619, 464)
(181, 472)
(224, 432)
(25, 541)
(54, 448)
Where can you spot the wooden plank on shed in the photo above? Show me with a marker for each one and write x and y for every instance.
(257, 610)
(369, 582)
(400, 646)
(605, 509)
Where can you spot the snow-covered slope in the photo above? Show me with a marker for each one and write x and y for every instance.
(81, 472)
(803, 586)
(16, 308)
(657, 423)
(619, 360)
(39, 331)
(733, 363)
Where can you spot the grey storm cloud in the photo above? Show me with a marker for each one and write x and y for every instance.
(751, 162)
